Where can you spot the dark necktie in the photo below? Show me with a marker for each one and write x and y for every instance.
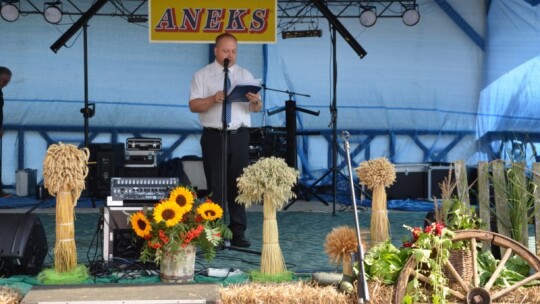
(228, 105)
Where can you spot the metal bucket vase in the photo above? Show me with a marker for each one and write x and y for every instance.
(179, 266)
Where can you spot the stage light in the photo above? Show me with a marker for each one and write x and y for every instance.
(9, 11)
(368, 17)
(53, 12)
(301, 34)
(411, 16)
(137, 19)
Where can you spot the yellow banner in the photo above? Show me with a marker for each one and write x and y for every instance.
(250, 21)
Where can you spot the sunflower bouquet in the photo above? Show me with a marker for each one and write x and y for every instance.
(178, 221)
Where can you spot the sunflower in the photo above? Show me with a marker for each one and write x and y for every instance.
(169, 212)
(140, 224)
(210, 211)
(183, 198)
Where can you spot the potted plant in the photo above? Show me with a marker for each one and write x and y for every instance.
(174, 228)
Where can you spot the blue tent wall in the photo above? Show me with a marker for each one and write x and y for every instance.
(509, 113)
(413, 98)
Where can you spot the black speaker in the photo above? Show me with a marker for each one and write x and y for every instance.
(106, 161)
(23, 244)
(409, 184)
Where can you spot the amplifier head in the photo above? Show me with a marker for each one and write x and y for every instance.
(143, 144)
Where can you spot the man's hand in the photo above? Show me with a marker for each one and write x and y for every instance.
(219, 97)
(255, 102)
(253, 98)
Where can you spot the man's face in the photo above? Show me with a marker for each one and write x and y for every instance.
(226, 48)
(4, 80)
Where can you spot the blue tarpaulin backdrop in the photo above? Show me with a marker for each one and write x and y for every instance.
(416, 89)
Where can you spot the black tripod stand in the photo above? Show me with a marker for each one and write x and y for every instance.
(333, 122)
(291, 133)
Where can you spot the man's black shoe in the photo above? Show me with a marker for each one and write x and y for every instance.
(240, 242)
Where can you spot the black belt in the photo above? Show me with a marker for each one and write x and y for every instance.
(228, 131)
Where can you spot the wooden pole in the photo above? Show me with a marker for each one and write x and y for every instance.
(501, 202)
(519, 169)
(536, 182)
(484, 204)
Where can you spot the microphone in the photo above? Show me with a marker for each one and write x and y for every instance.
(226, 62)
(345, 135)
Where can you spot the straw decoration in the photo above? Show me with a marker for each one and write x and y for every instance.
(378, 174)
(272, 260)
(269, 176)
(271, 180)
(340, 244)
(10, 295)
(65, 165)
(64, 171)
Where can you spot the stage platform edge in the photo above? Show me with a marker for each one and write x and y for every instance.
(190, 293)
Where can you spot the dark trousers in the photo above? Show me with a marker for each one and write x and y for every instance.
(237, 160)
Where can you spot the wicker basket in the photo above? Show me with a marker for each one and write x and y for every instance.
(462, 262)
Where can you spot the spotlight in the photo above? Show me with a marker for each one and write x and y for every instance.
(368, 17)
(411, 16)
(53, 12)
(301, 34)
(9, 11)
(137, 19)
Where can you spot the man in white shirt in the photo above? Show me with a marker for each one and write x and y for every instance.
(207, 98)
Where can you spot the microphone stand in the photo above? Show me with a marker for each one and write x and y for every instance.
(224, 151)
(361, 283)
(224, 138)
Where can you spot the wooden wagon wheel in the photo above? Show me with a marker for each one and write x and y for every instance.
(474, 293)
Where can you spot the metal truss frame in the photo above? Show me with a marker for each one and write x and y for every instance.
(360, 141)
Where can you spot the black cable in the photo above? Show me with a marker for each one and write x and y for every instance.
(96, 239)
(38, 204)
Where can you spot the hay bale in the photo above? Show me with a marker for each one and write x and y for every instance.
(10, 295)
(282, 293)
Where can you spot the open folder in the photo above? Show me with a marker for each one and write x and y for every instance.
(241, 88)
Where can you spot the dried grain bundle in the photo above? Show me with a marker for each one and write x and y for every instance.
(375, 172)
(64, 170)
(299, 292)
(269, 179)
(378, 174)
(10, 295)
(65, 166)
(270, 176)
(341, 242)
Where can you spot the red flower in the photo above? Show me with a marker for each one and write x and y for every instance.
(428, 229)
(163, 237)
(407, 244)
(438, 228)
(154, 245)
(192, 234)
(416, 233)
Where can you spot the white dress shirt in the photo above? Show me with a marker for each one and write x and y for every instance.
(209, 80)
